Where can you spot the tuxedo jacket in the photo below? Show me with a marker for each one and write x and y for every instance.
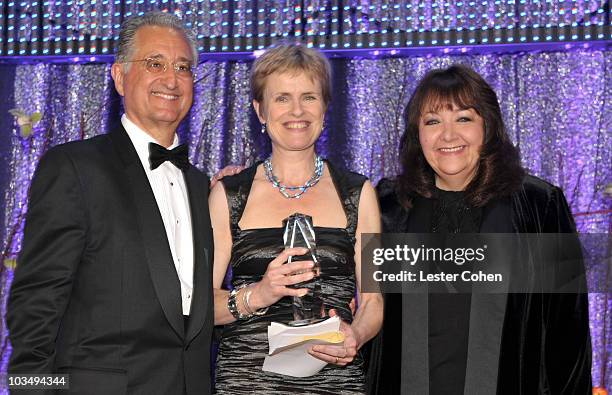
(95, 292)
(519, 343)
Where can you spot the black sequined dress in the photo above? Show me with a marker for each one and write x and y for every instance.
(244, 344)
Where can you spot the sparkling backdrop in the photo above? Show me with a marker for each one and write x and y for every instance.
(48, 27)
(72, 99)
(556, 107)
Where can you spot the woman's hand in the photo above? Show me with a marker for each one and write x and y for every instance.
(340, 355)
(274, 284)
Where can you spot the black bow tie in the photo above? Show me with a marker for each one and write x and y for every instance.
(177, 155)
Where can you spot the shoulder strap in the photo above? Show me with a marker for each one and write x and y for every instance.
(237, 189)
(348, 185)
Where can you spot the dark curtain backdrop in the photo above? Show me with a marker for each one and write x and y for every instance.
(556, 107)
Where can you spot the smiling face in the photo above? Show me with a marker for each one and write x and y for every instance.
(155, 102)
(292, 110)
(451, 139)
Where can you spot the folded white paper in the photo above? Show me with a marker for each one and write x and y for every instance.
(289, 346)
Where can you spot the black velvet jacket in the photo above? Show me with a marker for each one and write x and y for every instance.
(518, 343)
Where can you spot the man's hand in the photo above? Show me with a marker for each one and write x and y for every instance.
(226, 171)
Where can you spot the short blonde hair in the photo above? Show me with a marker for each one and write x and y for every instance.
(290, 57)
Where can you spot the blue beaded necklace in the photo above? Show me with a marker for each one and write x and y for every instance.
(288, 191)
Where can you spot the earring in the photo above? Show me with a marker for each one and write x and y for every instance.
(263, 128)
(323, 126)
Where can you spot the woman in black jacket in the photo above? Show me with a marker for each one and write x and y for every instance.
(461, 174)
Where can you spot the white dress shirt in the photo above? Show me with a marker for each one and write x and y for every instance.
(170, 190)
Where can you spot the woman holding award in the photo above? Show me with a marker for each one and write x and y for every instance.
(461, 174)
(291, 88)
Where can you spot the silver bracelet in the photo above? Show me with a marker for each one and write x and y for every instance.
(245, 302)
(232, 304)
(247, 305)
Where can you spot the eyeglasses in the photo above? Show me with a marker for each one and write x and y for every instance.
(156, 66)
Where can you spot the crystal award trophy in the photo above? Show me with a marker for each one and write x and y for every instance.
(299, 232)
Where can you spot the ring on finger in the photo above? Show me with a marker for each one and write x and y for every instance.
(336, 362)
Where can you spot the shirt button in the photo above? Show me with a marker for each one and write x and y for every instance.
(171, 184)
(188, 296)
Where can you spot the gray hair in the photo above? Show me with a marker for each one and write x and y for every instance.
(130, 26)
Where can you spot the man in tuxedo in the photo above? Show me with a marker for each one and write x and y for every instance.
(113, 283)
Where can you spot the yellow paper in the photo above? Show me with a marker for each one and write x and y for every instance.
(329, 337)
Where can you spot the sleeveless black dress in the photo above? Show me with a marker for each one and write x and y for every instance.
(244, 343)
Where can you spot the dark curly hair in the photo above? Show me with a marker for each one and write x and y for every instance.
(499, 170)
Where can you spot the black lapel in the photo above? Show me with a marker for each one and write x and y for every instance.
(415, 310)
(487, 314)
(415, 344)
(197, 189)
(155, 241)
